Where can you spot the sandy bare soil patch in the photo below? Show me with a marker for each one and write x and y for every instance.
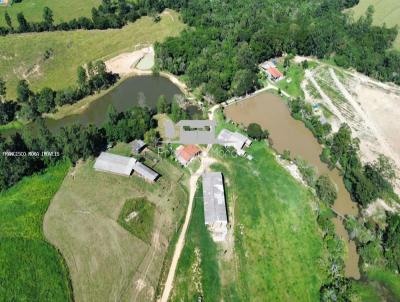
(370, 108)
(126, 63)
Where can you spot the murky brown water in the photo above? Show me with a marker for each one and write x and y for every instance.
(272, 114)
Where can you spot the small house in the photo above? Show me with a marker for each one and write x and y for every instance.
(234, 139)
(215, 213)
(186, 153)
(137, 146)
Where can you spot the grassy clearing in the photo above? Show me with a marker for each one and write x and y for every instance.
(23, 55)
(106, 261)
(137, 217)
(63, 10)
(386, 11)
(295, 73)
(31, 269)
(198, 260)
(278, 253)
(278, 249)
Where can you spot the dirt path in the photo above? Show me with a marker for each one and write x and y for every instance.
(205, 162)
(368, 121)
(309, 75)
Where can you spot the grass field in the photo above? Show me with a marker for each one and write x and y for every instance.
(295, 73)
(107, 262)
(137, 217)
(31, 269)
(386, 11)
(23, 55)
(276, 253)
(62, 10)
(198, 260)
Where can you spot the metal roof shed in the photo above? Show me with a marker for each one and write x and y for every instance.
(108, 162)
(145, 172)
(214, 198)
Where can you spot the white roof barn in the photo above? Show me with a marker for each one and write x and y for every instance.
(215, 215)
(145, 172)
(108, 162)
(123, 165)
(234, 139)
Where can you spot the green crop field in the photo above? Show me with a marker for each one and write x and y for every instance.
(106, 261)
(51, 59)
(62, 10)
(31, 269)
(386, 11)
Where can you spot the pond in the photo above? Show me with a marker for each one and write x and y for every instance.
(134, 91)
(272, 114)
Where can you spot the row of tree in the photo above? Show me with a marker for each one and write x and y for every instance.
(221, 50)
(110, 14)
(31, 105)
(73, 142)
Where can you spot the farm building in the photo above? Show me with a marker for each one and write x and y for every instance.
(123, 165)
(271, 70)
(215, 216)
(113, 163)
(186, 153)
(145, 172)
(137, 146)
(235, 140)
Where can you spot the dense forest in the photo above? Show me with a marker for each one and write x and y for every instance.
(227, 39)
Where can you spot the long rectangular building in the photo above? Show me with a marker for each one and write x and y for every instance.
(215, 214)
(123, 165)
(117, 164)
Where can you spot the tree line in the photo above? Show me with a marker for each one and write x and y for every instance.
(30, 105)
(109, 14)
(73, 142)
(220, 51)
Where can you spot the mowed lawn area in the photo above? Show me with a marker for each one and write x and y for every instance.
(386, 11)
(62, 10)
(108, 262)
(51, 59)
(199, 260)
(31, 269)
(279, 253)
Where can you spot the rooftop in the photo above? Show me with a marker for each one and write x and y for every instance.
(113, 163)
(145, 171)
(187, 152)
(214, 198)
(274, 72)
(234, 139)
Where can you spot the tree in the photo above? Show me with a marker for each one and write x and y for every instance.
(3, 89)
(392, 241)
(23, 91)
(23, 24)
(243, 82)
(255, 131)
(48, 17)
(46, 100)
(325, 189)
(82, 76)
(152, 137)
(162, 104)
(8, 20)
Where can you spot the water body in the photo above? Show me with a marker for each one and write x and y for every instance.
(134, 91)
(271, 113)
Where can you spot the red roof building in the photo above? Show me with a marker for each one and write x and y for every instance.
(274, 73)
(184, 154)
